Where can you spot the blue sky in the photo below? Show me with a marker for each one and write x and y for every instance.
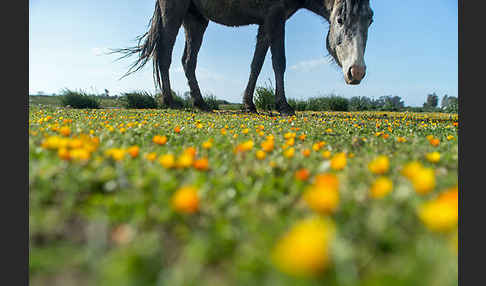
(411, 51)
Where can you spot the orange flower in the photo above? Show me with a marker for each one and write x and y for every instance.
(65, 131)
(191, 151)
(160, 140)
(133, 151)
(186, 200)
(267, 145)
(328, 180)
(177, 129)
(63, 153)
(302, 174)
(306, 152)
(201, 164)
(245, 146)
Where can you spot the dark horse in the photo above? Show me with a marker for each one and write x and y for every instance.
(346, 41)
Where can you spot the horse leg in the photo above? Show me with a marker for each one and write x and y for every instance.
(256, 66)
(275, 31)
(194, 26)
(172, 13)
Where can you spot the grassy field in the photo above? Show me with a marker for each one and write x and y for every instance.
(158, 197)
(55, 100)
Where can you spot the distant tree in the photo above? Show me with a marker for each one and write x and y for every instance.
(443, 103)
(392, 103)
(107, 93)
(449, 104)
(360, 103)
(432, 101)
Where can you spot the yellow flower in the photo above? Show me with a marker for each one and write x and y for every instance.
(411, 169)
(322, 199)
(160, 140)
(381, 187)
(116, 154)
(326, 154)
(289, 153)
(338, 162)
(79, 154)
(245, 131)
(290, 142)
(260, 155)
(304, 250)
(185, 160)
(433, 157)
(379, 165)
(186, 200)
(208, 144)
(424, 181)
(401, 140)
(439, 215)
(151, 156)
(450, 137)
(167, 161)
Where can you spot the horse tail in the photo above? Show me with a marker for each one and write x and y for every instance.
(148, 46)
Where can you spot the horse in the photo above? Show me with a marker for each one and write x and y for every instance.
(346, 39)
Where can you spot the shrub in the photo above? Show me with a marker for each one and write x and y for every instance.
(265, 97)
(79, 99)
(138, 100)
(211, 101)
(298, 105)
(179, 101)
(338, 103)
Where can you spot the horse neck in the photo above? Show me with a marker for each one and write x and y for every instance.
(320, 7)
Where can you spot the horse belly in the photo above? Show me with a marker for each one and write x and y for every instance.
(231, 12)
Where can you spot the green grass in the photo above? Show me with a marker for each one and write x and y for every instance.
(77, 208)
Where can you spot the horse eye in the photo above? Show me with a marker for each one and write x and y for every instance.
(340, 21)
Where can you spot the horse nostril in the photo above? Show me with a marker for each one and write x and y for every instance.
(356, 72)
